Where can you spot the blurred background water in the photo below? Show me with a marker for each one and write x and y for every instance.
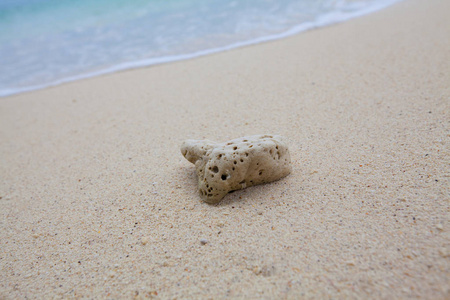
(46, 42)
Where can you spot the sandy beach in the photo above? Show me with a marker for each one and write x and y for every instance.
(96, 200)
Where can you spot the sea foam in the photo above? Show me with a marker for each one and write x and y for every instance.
(49, 42)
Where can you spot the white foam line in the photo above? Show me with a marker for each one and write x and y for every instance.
(325, 20)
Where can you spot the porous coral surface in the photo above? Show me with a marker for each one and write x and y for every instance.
(236, 164)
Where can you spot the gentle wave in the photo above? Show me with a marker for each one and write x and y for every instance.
(342, 12)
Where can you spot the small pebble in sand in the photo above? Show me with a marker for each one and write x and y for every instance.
(203, 241)
(236, 164)
(144, 240)
(265, 270)
(444, 252)
(440, 227)
(350, 263)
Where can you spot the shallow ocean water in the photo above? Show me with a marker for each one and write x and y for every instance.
(47, 42)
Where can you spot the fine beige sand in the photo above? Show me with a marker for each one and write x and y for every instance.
(96, 200)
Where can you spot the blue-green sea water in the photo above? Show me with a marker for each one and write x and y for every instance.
(47, 42)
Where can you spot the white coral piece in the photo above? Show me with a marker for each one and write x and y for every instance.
(236, 164)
